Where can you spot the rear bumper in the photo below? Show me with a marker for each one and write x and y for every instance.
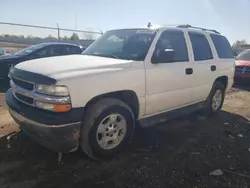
(57, 131)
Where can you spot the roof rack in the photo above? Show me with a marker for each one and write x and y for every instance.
(203, 29)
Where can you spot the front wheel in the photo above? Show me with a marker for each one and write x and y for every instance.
(107, 127)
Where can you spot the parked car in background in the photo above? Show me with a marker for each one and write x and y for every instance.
(138, 77)
(4, 51)
(242, 67)
(35, 52)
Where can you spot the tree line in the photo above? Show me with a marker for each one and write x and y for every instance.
(74, 36)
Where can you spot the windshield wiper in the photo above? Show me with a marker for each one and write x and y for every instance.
(86, 53)
(114, 56)
(102, 55)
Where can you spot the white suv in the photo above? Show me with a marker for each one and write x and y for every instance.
(127, 78)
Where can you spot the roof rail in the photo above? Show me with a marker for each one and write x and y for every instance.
(203, 29)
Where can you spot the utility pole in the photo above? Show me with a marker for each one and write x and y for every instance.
(75, 21)
(58, 31)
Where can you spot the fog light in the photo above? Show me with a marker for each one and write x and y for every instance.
(53, 107)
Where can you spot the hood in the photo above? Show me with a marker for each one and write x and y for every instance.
(66, 65)
(8, 57)
(242, 63)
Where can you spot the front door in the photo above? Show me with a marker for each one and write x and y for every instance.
(167, 73)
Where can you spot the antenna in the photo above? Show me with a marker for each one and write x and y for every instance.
(149, 25)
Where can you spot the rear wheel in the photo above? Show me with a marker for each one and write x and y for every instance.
(108, 126)
(216, 99)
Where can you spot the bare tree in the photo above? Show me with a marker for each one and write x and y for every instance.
(74, 36)
(239, 43)
(30, 37)
(89, 35)
(50, 37)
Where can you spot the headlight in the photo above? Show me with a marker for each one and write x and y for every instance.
(52, 90)
(53, 107)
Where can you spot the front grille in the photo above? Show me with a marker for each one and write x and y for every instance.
(247, 70)
(242, 69)
(24, 99)
(23, 84)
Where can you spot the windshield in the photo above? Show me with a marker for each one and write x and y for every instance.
(29, 50)
(245, 55)
(129, 44)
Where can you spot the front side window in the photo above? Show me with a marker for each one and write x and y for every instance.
(244, 56)
(129, 44)
(40, 53)
(47, 51)
(171, 47)
(222, 46)
(201, 48)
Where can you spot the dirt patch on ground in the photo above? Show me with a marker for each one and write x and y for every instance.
(177, 154)
(7, 125)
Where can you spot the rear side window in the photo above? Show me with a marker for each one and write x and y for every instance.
(222, 46)
(201, 47)
(74, 50)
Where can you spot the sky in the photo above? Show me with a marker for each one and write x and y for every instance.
(229, 17)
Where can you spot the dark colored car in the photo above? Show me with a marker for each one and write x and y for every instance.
(34, 52)
(242, 67)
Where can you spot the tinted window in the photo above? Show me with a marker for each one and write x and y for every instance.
(73, 50)
(201, 47)
(222, 46)
(47, 51)
(40, 53)
(57, 50)
(245, 55)
(29, 50)
(172, 40)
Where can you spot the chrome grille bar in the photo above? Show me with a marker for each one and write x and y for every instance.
(37, 96)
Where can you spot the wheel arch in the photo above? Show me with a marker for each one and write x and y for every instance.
(127, 96)
(223, 80)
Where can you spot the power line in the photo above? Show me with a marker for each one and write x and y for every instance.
(52, 28)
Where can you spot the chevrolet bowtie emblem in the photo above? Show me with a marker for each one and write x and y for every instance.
(243, 70)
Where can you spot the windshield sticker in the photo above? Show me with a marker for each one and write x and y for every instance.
(146, 31)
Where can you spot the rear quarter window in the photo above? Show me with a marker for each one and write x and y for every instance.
(222, 46)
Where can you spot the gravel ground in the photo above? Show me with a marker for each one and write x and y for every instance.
(182, 153)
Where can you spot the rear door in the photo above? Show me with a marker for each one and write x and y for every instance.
(224, 56)
(204, 65)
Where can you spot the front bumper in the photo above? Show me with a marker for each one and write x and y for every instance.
(241, 77)
(57, 131)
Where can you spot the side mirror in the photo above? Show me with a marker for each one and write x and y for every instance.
(163, 56)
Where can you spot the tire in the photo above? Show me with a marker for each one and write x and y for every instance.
(107, 119)
(217, 94)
